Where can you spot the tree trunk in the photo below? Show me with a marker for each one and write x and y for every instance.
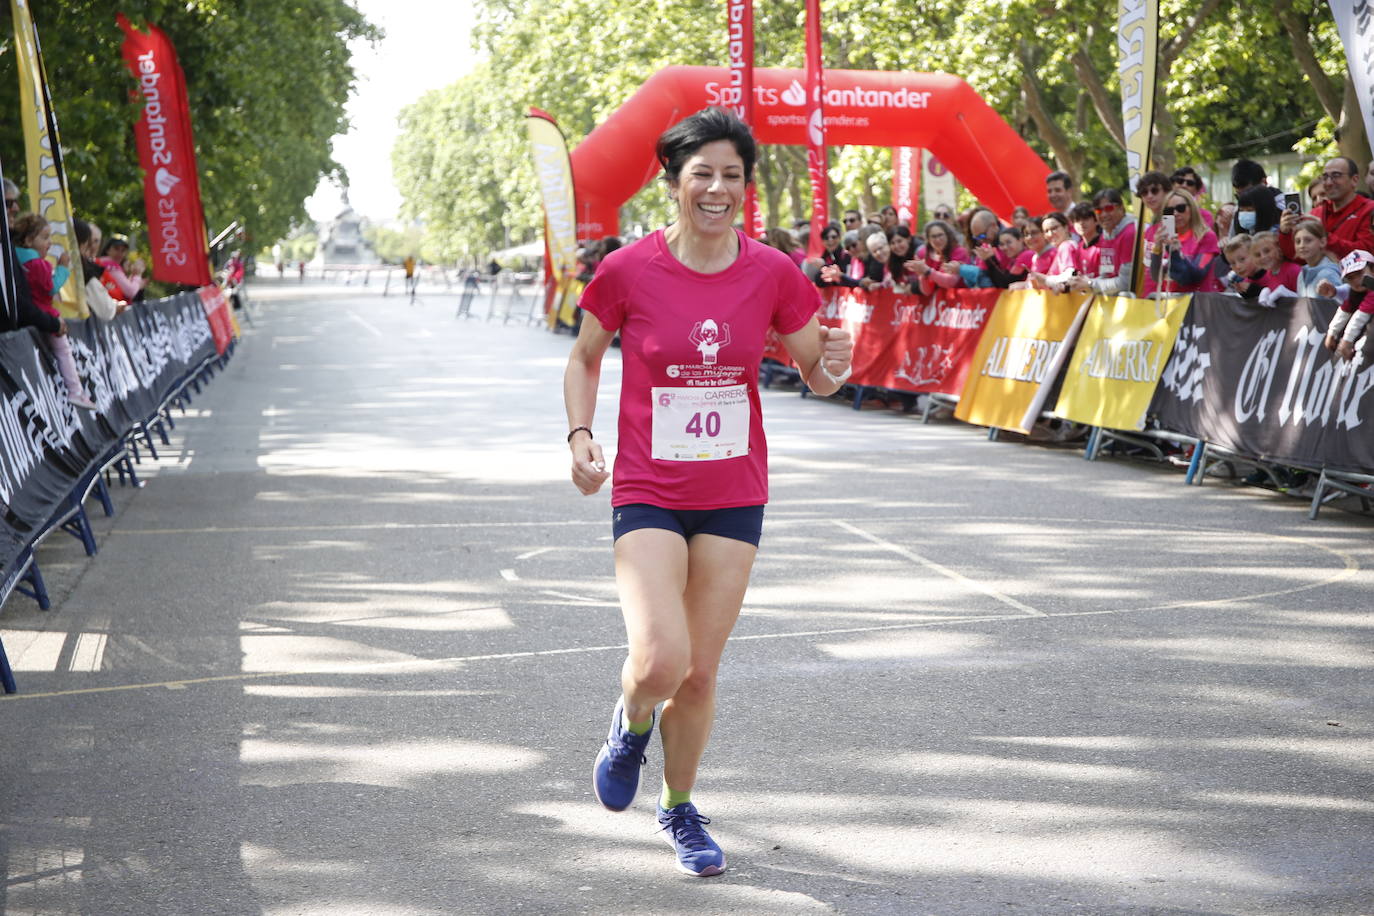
(1351, 135)
(1299, 27)
(1107, 105)
(769, 186)
(1065, 155)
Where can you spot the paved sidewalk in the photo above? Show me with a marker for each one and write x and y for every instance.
(353, 649)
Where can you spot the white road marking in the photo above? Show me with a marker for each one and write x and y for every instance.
(509, 575)
(89, 652)
(366, 324)
(535, 553)
(936, 567)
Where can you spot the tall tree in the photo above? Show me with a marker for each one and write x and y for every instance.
(266, 80)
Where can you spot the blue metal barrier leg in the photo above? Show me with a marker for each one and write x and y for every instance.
(6, 672)
(1196, 463)
(79, 527)
(858, 397)
(36, 589)
(1090, 449)
(102, 493)
(148, 438)
(992, 434)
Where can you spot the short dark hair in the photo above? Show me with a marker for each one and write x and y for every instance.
(1061, 176)
(1154, 179)
(1247, 173)
(1186, 171)
(1081, 211)
(888, 208)
(679, 142)
(1055, 215)
(1109, 196)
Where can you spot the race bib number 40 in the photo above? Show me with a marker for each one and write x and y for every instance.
(701, 424)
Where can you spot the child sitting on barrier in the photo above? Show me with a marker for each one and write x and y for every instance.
(1243, 279)
(32, 239)
(1352, 318)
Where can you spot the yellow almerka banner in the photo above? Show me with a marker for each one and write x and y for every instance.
(1137, 44)
(48, 195)
(1123, 347)
(553, 169)
(1015, 353)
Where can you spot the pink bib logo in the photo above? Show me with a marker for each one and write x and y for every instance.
(707, 338)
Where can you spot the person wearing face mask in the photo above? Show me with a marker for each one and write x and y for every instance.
(1352, 318)
(1256, 212)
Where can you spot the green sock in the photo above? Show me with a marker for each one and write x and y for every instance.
(670, 799)
(635, 728)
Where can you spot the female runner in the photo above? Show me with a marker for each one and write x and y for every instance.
(693, 304)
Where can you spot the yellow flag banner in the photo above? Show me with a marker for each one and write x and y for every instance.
(1123, 347)
(1137, 43)
(1015, 355)
(48, 195)
(553, 169)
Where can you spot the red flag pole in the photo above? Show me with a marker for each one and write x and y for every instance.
(815, 130)
(740, 29)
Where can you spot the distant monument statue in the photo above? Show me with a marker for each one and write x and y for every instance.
(341, 239)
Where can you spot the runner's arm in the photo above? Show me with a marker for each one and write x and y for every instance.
(812, 343)
(580, 381)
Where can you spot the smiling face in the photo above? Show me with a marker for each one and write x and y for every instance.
(1010, 245)
(878, 247)
(901, 245)
(937, 240)
(1266, 253)
(1055, 233)
(710, 189)
(1034, 237)
(1110, 215)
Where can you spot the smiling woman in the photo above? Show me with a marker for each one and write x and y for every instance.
(693, 304)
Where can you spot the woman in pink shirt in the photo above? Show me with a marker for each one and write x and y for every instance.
(1182, 250)
(937, 261)
(693, 304)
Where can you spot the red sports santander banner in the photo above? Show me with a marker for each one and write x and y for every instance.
(906, 185)
(815, 130)
(740, 26)
(907, 343)
(166, 150)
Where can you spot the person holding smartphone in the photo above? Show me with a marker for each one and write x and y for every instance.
(1182, 250)
(1348, 217)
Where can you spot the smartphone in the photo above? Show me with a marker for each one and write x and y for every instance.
(1292, 202)
(1167, 222)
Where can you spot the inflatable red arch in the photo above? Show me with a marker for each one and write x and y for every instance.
(934, 111)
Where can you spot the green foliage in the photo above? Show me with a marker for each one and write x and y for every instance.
(267, 81)
(1229, 88)
(394, 245)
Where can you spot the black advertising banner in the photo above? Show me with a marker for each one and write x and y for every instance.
(1259, 381)
(129, 365)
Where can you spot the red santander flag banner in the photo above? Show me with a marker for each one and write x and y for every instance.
(906, 184)
(740, 26)
(166, 150)
(217, 314)
(815, 130)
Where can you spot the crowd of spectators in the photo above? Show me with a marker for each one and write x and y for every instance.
(1263, 246)
(112, 282)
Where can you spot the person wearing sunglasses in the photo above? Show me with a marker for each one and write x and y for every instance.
(1347, 217)
(834, 256)
(1187, 178)
(1116, 245)
(1182, 250)
(853, 219)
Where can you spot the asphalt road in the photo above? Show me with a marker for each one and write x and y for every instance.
(354, 646)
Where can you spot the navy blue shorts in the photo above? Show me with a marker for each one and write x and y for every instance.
(739, 523)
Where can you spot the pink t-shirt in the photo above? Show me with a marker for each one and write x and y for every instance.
(680, 329)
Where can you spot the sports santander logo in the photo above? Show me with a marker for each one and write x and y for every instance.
(165, 181)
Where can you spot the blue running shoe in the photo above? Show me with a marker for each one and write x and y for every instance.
(685, 830)
(615, 775)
